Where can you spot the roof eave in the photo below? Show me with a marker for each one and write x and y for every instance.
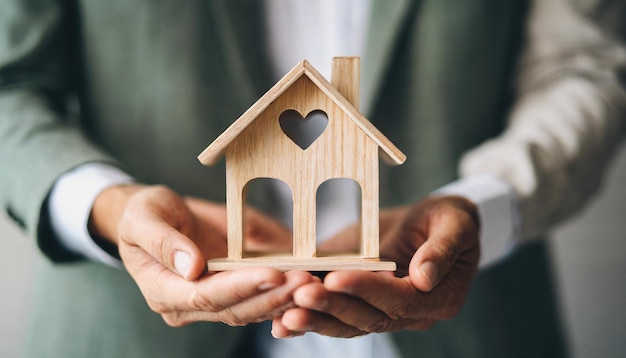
(215, 150)
(389, 152)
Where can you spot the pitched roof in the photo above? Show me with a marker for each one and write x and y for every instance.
(214, 151)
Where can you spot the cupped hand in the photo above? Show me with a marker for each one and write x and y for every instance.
(435, 245)
(164, 241)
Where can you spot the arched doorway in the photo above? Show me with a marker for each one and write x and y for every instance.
(338, 212)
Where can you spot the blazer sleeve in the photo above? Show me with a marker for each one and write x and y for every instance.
(40, 138)
(567, 121)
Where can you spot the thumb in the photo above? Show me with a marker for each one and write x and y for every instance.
(449, 235)
(152, 225)
(432, 262)
(180, 254)
(452, 228)
(445, 241)
(170, 248)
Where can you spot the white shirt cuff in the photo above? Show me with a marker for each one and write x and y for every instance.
(70, 203)
(498, 214)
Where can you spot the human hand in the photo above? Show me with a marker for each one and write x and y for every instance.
(164, 241)
(435, 245)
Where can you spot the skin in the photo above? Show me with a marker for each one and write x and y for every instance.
(164, 241)
(435, 245)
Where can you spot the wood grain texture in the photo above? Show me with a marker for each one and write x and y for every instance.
(341, 151)
(346, 78)
(256, 147)
(290, 263)
(390, 153)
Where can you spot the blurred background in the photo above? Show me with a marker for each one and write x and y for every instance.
(589, 267)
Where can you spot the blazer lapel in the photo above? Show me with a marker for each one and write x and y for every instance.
(241, 26)
(386, 22)
(242, 29)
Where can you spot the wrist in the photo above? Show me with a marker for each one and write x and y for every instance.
(498, 212)
(467, 206)
(107, 211)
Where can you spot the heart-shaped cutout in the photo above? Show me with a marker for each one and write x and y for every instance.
(303, 131)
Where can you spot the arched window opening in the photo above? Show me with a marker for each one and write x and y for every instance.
(268, 218)
(338, 217)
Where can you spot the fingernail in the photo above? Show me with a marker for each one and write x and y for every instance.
(430, 270)
(266, 286)
(290, 335)
(182, 263)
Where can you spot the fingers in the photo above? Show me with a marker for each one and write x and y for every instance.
(209, 212)
(342, 315)
(348, 309)
(234, 297)
(210, 293)
(438, 236)
(271, 304)
(395, 297)
(359, 303)
(280, 331)
(265, 234)
(346, 240)
(242, 304)
(298, 320)
(156, 233)
(216, 292)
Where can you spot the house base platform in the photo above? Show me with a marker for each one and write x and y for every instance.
(289, 263)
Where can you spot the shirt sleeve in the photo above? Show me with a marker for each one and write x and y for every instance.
(567, 122)
(70, 203)
(498, 214)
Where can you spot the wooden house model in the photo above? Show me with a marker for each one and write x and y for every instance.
(256, 146)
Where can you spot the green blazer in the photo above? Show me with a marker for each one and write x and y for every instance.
(148, 84)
